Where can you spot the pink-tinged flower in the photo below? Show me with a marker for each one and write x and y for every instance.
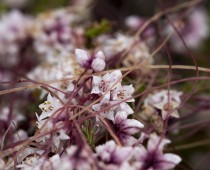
(126, 128)
(55, 30)
(194, 31)
(111, 154)
(123, 93)
(49, 107)
(153, 157)
(95, 61)
(165, 102)
(134, 22)
(106, 104)
(79, 158)
(105, 84)
(13, 35)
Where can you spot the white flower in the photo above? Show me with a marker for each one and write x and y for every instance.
(123, 93)
(164, 101)
(56, 66)
(60, 135)
(49, 107)
(105, 84)
(113, 46)
(125, 107)
(109, 111)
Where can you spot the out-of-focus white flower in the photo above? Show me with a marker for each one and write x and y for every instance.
(138, 52)
(54, 30)
(153, 157)
(20, 135)
(13, 32)
(194, 31)
(15, 116)
(79, 157)
(105, 84)
(113, 46)
(134, 23)
(165, 102)
(111, 154)
(126, 128)
(57, 66)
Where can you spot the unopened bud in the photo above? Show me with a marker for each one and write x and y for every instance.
(98, 64)
(82, 57)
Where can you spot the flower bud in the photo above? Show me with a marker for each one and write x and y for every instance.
(98, 64)
(82, 57)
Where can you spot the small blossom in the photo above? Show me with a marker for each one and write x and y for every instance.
(165, 102)
(153, 157)
(109, 81)
(12, 36)
(49, 107)
(109, 111)
(54, 30)
(193, 32)
(109, 153)
(123, 93)
(126, 128)
(124, 107)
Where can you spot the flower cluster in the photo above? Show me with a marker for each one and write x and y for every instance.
(53, 30)
(13, 36)
(93, 106)
(107, 156)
